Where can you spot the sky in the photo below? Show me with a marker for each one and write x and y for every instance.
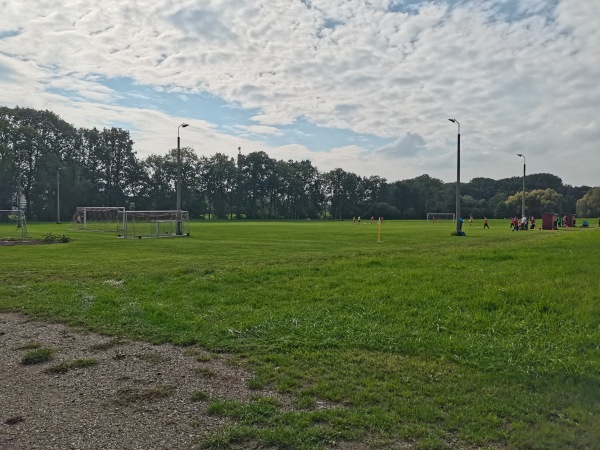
(367, 86)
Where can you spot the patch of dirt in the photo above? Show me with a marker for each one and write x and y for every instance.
(10, 242)
(133, 395)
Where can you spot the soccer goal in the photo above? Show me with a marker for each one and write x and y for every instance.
(97, 218)
(433, 217)
(13, 224)
(150, 224)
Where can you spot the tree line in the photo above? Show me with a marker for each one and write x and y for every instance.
(41, 155)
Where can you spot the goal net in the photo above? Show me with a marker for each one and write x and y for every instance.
(13, 224)
(433, 217)
(143, 224)
(96, 218)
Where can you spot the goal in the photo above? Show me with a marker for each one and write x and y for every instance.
(13, 224)
(99, 218)
(440, 216)
(149, 224)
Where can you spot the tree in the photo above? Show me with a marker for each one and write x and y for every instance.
(589, 204)
(537, 202)
(340, 193)
(218, 180)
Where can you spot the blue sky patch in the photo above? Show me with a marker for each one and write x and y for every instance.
(228, 118)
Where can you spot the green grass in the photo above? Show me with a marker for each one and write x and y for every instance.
(64, 367)
(489, 340)
(199, 396)
(38, 355)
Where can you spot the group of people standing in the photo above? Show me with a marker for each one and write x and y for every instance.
(524, 224)
(561, 221)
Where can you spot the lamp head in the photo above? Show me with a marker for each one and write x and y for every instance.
(183, 125)
(452, 120)
(519, 154)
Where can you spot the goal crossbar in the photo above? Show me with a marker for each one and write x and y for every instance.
(99, 218)
(158, 223)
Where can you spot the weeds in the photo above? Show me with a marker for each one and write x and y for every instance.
(52, 238)
(37, 355)
(199, 396)
(71, 365)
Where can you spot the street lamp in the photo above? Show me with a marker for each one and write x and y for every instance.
(179, 224)
(523, 203)
(458, 226)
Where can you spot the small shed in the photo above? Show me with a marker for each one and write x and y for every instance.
(569, 220)
(549, 221)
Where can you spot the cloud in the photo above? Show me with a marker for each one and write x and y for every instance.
(521, 76)
(410, 144)
(260, 130)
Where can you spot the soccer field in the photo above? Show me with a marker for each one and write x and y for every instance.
(422, 339)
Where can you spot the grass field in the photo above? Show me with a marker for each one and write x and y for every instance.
(490, 340)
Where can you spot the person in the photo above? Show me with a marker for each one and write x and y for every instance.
(354, 220)
(470, 219)
(532, 222)
(524, 222)
(372, 219)
(559, 222)
(460, 222)
(358, 220)
(485, 223)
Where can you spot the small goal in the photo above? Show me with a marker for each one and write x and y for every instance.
(99, 218)
(13, 224)
(152, 224)
(433, 217)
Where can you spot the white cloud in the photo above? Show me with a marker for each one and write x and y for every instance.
(519, 82)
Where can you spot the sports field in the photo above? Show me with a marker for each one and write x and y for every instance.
(424, 340)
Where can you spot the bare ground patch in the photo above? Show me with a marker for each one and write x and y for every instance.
(134, 395)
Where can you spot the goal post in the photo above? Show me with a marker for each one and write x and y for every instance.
(432, 217)
(99, 218)
(151, 224)
(13, 224)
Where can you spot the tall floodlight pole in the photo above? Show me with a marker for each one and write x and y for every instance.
(238, 187)
(523, 203)
(458, 228)
(58, 195)
(179, 224)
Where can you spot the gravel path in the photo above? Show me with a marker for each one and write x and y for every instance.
(131, 395)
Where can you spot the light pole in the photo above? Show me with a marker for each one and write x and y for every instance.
(58, 195)
(523, 203)
(179, 224)
(458, 227)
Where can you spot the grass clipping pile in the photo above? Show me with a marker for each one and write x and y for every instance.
(65, 388)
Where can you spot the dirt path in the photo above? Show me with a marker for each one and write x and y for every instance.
(124, 395)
